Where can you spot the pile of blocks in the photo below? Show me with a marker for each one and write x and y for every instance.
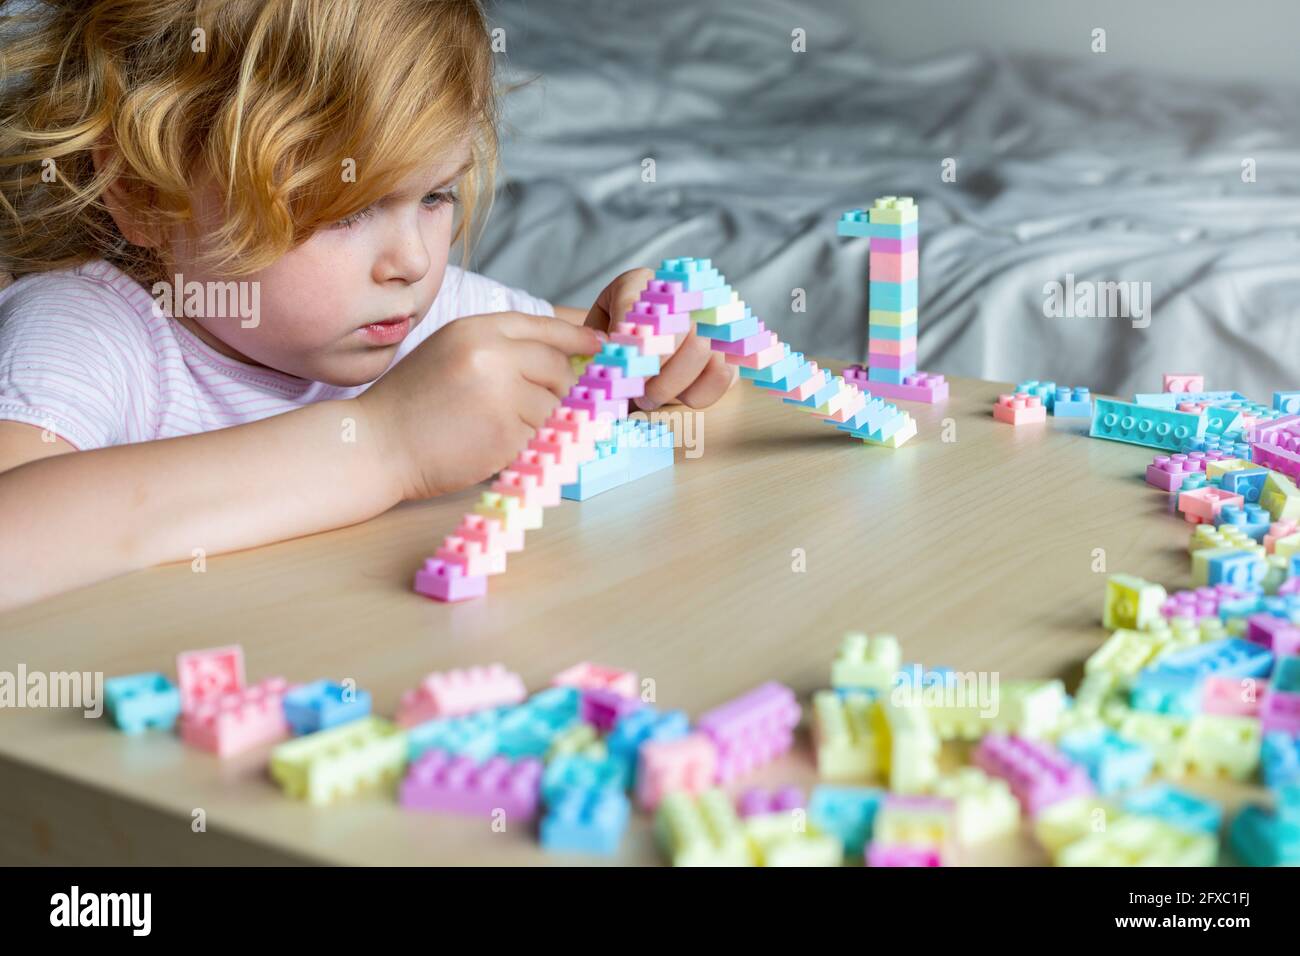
(891, 225)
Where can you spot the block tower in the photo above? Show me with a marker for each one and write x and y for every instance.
(892, 266)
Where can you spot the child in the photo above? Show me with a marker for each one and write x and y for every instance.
(230, 226)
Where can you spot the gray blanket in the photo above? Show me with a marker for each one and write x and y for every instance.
(1062, 169)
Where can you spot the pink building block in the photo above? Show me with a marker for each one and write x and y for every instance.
(688, 764)
(1278, 634)
(1202, 505)
(1233, 696)
(1280, 711)
(209, 674)
(891, 266)
(235, 721)
(818, 380)
(1199, 603)
(918, 387)
(448, 582)
(547, 467)
(1019, 409)
(1289, 586)
(757, 801)
(657, 317)
(589, 676)
(1183, 382)
(751, 730)
(1038, 774)
(906, 346)
(528, 489)
(1276, 445)
(455, 692)
(760, 359)
(1276, 531)
(602, 707)
(902, 855)
(471, 556)
(447, 783)
(644, 338)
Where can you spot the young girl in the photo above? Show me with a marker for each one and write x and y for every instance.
(230, 225)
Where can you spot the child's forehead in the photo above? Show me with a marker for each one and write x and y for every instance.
(435, 174)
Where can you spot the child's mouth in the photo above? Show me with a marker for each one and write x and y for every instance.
(387, 331)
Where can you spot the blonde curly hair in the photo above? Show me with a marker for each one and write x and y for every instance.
(268, 99)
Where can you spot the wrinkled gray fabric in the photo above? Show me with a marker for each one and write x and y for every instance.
(1062, 167)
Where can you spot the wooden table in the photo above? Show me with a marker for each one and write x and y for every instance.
(975, 543)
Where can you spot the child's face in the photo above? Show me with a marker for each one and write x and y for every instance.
(336, 308)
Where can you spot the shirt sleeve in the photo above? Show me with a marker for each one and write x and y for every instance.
(67, 360)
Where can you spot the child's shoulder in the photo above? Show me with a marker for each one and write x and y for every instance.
(94, 302)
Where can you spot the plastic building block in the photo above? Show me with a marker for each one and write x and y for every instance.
(581, 772)
(1262, 838)
(1222, 746)
(983, 807)
(448, 783)
(323, 704)
(911, 747)
(848, 813)
(866, 663)
(1112, 762)
(1286, 674)
(1131, 602)
(917, 387)
(1045, 392)
(1019, 410)
(140, 702)
(1183, 382)
(1287, 402)
(364, 753)
(1204, 504)
(642, 726)
(1199, 603)
(458, 692)
(751, 730)
(1253, 520)
(1144, 425)
(1279, 711)
(209, 674)
(529, 729)
(688, 763)
(1071, 403)
(1029, 708)
(1037, 774)
(1280, 759)
(879, 854)
(589, 676)
(1141, 841)
(849, 735)
(1178, 808)
(1170, 400)
(603, 708)
(1166, 692)
(474, 735)
(1067, 821)
(757, 801)
(1168, 472)
(579, 739)
(918, 821)
(1231, 657)
(586, 821)
(788, 839)
(701, 830)
(1232, 696)
(448, 582)
(237, 721)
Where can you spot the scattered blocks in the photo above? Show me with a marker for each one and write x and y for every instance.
(788, 839)
(1019, 410)
(751, 730)
(589, 676)
(458, 692)
(687, 764)
(848, 733)
(1178, 808)
(448, 783)
(1038, 775)
(236, 721)
(1141, 841)
(586, 821)
(323, 704)
(1072, 403)
(1131, 603)
(364, 753)
(923, 823)
(983, 807)
(1112, 762)
(701, 830)
(848, 813)
(140, 702)
(1145, 425)
(1182, 383)
(866, 663)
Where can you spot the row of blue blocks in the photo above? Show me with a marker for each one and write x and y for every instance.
(635, 449)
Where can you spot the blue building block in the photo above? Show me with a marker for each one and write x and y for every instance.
(1045, 392)
(892, 333)
(792, 380)
(1229, 657)
(1112, 762)
(1171, 400)
(847, 813)
(818, 398)
(1233, 448)
(856, 223)
(1072, 403)
(693, 274)
(732, 331)
(629, 359)
(777, 370)
(893, 296)
(1279, 759)
(528, 729)
(1248, 482)
(1143, 425)
(635, 448)
(1287, 402)
(718, 295)
(474, 735)
(611, 468)
(1261, 838)
(578, 772)
(878, 420)
(913, 676)
(1176, 807)
(641, 726)
(1164, 692)
(1286, 675)
(1240, 569)
(137, 702)
(323, 704)
(1222, 420)
(586, 821)
(890, 376)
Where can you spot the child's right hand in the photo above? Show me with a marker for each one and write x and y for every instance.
(461, 405)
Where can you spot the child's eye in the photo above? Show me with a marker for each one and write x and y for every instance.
(435, 199)
(355, 218)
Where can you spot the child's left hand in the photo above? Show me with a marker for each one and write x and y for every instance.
(694, 375)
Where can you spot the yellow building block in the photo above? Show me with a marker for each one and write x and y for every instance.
(1217, 469)
(846, 737)
(1220, 745)
(1141, 841)
(1285, 547)
(701, 830)
(789, 839)
(581, 739)
(1131, 602)
(1030, 708)
(952, 722)
(893, 210)
(1225, 536)
(1125, 653)
(1278, 570)
(1058, 825)
(578, 363)
(984, 808)
(338, 762)
(911, 751)
(1280, 497)
(1163, 734)
(918, 821)
(866, 663)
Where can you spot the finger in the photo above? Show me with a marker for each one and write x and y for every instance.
(711, 384)
(534, 406)
(676, 374)
(543, 365)
(569, 339)
(613, 303)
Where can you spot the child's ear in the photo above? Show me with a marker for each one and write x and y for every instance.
(123, 205)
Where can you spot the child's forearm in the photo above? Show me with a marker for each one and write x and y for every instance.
(81, 517)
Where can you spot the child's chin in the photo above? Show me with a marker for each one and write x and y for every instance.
(350, 374)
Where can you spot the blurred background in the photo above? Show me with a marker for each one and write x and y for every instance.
(1164, 149)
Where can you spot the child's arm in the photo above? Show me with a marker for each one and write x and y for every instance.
(451, 413)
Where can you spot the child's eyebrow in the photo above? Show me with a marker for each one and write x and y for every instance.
(464, 167)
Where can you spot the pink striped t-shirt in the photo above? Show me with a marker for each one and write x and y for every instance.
(85, 354)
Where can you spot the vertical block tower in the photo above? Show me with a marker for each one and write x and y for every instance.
(893, 267)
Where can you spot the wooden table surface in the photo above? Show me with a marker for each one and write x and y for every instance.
(974, 543)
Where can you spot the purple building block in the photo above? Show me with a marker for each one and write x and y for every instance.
(1038, 774)
(1200, 603)
(757, 801)
(1279, 710)
(447, 783)
(448, 582)
(1278, 634)
(902, 855)
(751, 730)
(602, 707)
